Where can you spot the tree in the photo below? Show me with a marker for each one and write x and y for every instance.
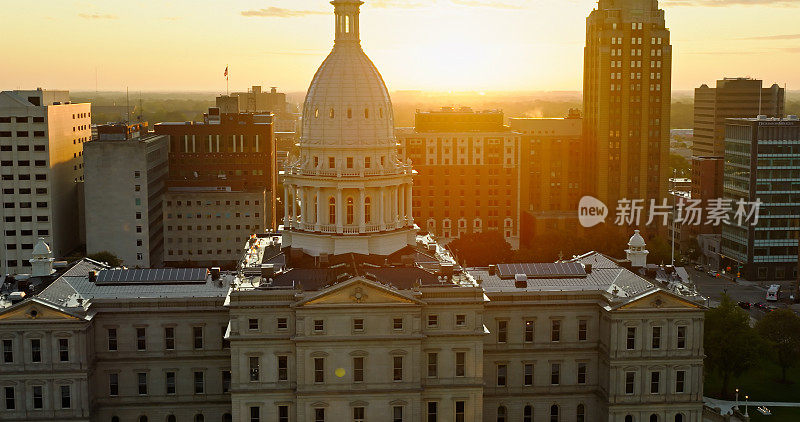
(107, 257)
(731, 345)
(781, 330)
(481, 249)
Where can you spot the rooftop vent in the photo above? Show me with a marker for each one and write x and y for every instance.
(492, 269)
(520, 281)
(587, 268)
(215, 273)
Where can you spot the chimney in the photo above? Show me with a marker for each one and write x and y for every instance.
(587, 268)
(215, 273)
(92, 276)
(492, 269)
(520, 281)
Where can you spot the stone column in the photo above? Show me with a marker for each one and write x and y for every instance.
(381, 205)
(285, 205)
(409, 204)
(339, 208)
(294, 206)
(362, 213)
(395, 209)
(317, 220)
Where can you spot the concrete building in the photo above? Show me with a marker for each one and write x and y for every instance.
(760, 164)
(627, 91)
(467, 167)
(126, 174)
(257, 101)
(228, 160)
(41, 163)
(732, 98)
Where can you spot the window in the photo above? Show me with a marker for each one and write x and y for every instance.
(502, 331)
(528, 331)
(319, 413)
(461, 320)
(197, 332)
(631, 338)
(252, 324)
(554, 413)
(10, 398)
(655, 377)
(199, 417)
(142, 379)
(255, 365)
(581, 373)
(38, 398)
(630, 379)
(555, 373)
(36, 350)
(63, 350)
(680, 381)
(319, 369)
(527, 414)
(142, 418)
(113, 385)
(397, 323)
(358, 369)
(433, 320)
(433, 408)
(358, 324)
(656, 340)
(397, 368)
(555, 331)
(66, 397)
(653, 418)
(461, 364)
(580, 413)
(358, 414)
(502, 375)
(350, 211)
(169, 338)
(319, 325)
(283, 413)
(527, 373)
(678, 417)
(141, 339)
(681, 337)
(170, 382)
(582, 329)
(8, 351)
(397, 414)
(501, 414)
(283, 324)
(433, 365)
(226, 381)
(199, 382)
(255, 414)
(331, 162)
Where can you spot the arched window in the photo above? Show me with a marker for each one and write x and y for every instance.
(380, 112)
(350, 211)
(580, 413)
(227, 418)
(316, 112)
(628, 418)
(332, 113)
(349, 113)
(554, 413)
(527, 414)
(501, 414)
(171, 418)
(653, 418)
(143, 418)
(199, 418)
(679, 417)
(332, 211)
(366, 113)
(368, 210)
(115, 419)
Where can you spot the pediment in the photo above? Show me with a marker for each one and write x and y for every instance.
(359, 291)
(659, 299)
(36, 310)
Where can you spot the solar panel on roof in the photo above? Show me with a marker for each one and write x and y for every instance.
(542, 270)
(153, 276)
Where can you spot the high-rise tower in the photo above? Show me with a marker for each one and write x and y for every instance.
(626, 88)
(348, 192)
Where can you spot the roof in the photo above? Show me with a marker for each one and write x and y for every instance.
(150, 275)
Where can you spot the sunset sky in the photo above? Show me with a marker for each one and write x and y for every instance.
(440, 45)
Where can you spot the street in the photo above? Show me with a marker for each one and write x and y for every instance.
(742, 291)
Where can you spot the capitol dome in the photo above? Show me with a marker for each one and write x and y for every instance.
(347, 102)
(636, 241)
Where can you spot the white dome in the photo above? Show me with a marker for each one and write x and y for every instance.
(636, 241)
(41, 249)
(347, 102)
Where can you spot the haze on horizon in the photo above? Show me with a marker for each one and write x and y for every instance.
(430, 45)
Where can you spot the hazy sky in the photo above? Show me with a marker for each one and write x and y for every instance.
(480, 45)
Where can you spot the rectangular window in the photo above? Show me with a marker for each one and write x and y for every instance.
(630, 379)
(656, 343)
(141, 339)
(461, 320)
(528, 331)
(433, 320)
(630, 343)
(582, 324)
(581, 373)
(555, 331)
(319, 369)
(358, 414)
(142, 381)
(555, 373)
(255, 367)
(397, 323)
(197, 332)
(170, 382)
(655, 376)
(502, 375)
(112, 339)
(397, 414)
(433, 408)
(433, 363)
(283, 324)
(199, 382)
(38, 397)
(8, 351)
(319, 325)
(358, 324)
(169, 338)
(255, 414)
(283, 368)
(252, 324)
(10, 398)
(358, 369)
(113, 385)
(680, 381)
(63, 350)
(681, 337)
(283, 413)
(36, 350)
(66, 398)
(226, 381)
(397, 368)
(502, 331)
(527, 374)
(461, 364)
(460, 411)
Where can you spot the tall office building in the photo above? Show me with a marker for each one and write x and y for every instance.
(468, 171)
(733, 97)
(257, 101)
(760, 164)
(126, 174)
(41, 163)
(627, 83)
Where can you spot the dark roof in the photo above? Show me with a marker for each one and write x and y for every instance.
(310, 279)
(153, 276)
(542, 270)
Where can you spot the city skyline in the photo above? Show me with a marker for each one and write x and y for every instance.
(523, 46)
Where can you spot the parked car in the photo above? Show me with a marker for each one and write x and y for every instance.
(744, 305)
(698, 267)
(760, 305)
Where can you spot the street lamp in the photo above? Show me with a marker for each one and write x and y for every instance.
(736, 406)
(746, 398)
